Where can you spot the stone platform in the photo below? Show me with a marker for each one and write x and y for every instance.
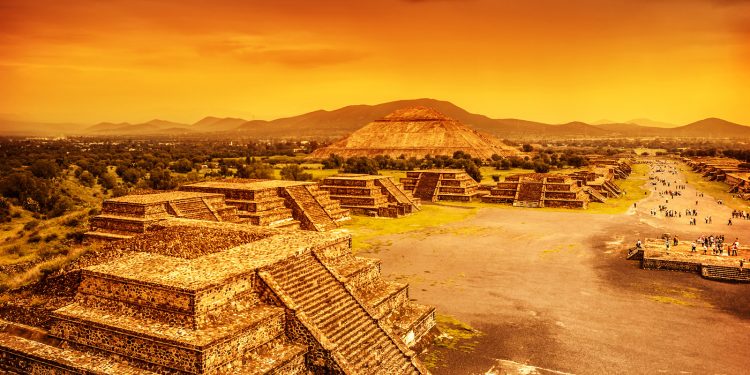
(370, 195)
(539, 190)
(723, 267)
(434, 185)
(126, 216)
(278, 203)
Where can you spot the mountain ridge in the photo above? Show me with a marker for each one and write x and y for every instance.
(340, 122)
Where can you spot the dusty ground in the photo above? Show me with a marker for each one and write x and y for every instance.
(552, 290)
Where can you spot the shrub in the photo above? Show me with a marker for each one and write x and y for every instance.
(50, 237)
(296, 173)
(34, 238)
(31, 225)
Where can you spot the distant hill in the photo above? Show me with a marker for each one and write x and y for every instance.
(217, 124)
(650, 123)
(153, 127)
(711, 128)
(341, 122)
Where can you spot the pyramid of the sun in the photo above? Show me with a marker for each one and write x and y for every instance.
(416, 132)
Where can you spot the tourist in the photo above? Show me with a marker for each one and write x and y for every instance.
(730, 221)
(638, 244)
(692, 247)
(742, 264)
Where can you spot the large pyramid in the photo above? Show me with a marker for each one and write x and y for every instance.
(416, 132)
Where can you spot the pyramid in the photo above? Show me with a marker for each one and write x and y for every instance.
(416, 132)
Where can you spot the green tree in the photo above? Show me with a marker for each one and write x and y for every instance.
(295, 173)
(45, 168)
(182, 166)
(256, 170)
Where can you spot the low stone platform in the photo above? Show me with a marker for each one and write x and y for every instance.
(434, 185)
(539, 190)
(680, 258)
(370, 195)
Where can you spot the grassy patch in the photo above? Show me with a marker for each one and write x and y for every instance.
(367, 231)
(634, 188)
(670, 300)
(715, 189)
(455, 335)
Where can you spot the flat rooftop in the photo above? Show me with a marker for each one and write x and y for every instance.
(160, 197)
(156, 263)
(354, 176)
(248, 184)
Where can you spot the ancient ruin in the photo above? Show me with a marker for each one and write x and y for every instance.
(416, 132)
(654, 255)
(371, 195)
(540, 190)
(278, 203)
(202, 297)
(123, 217)
(732, 172)
(434, 185)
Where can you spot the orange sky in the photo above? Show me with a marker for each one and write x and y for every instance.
(547, 60)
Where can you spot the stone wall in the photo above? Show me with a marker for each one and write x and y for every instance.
(672, 265)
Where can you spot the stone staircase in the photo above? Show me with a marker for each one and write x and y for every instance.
(331, 206)
(529, 195)
(307, 208)
(594, 195)
(427, 186)
(401, 196)
(357, 341)
(196, 209)
(725, 273)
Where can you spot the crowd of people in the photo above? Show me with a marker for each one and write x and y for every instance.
(669, 189)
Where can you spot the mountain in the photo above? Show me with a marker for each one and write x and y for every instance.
(650, 123)
(341, 122)
(415, 132)
(711, 128)
(153, 127)
(216, 124)
(346, 120)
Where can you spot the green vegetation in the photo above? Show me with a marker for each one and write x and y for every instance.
(455, 335)
(715, 189)
(634, 187)
(368, 231)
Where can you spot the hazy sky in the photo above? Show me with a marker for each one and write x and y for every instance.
(547, 60)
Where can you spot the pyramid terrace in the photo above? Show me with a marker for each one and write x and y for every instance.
(126, 216)
(201, 297)
(370, 195)
(540, 190)
(434, 185)
(278, 203)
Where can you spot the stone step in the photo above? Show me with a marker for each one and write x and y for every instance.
(277, 357)
(106, 236)
(26, 356)
(167, 346)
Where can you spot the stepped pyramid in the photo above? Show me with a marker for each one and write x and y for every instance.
(199, 297)
(370, 195)
(277, 203)
(123, 217)
(416, 132)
